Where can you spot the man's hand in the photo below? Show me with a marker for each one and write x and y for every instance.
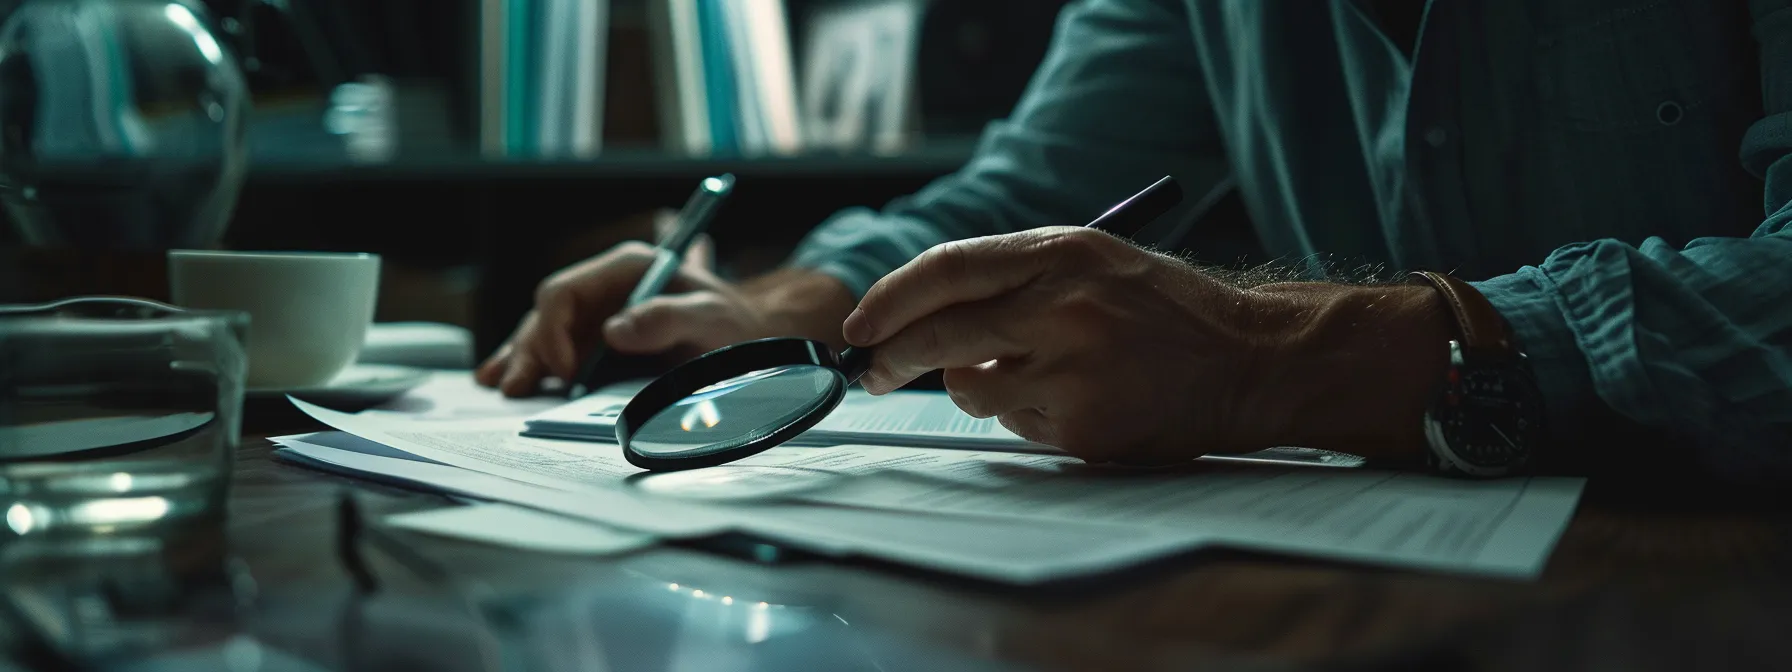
(1074, 338)
(698, 312)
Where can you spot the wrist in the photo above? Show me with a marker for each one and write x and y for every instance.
(1356, 367)
(800, 303)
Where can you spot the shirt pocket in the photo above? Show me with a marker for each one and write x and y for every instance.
(1638, 65)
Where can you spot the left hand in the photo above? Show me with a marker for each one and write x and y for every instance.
(1073, 338)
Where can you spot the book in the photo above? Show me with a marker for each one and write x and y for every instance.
(676, 43)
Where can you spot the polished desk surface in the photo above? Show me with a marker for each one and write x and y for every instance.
(1646, 577)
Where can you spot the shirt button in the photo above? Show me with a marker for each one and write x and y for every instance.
(1669, 113)
(1436, 136)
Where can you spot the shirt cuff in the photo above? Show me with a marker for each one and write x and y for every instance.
(1529, 301)
(858, 247)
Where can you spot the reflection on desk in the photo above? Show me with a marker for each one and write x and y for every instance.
(639, 622)
(1660, 577)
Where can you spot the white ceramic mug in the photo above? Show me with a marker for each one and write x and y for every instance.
(308, 311)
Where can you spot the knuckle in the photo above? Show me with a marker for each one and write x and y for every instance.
(1078, 438)
(1078, 244)
(550, 289)
(933, 335)
(632, 249)
(1082, 315)
(964, 396)
(1023, 426)
(947, 262)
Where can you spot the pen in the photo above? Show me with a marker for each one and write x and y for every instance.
(693, 219)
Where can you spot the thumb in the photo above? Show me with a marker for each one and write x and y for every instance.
(658, 324)
(701, 255)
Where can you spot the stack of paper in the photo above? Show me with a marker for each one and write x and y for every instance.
(996, 515)
(902, 418)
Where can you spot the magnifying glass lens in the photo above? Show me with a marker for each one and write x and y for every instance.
(737, 412)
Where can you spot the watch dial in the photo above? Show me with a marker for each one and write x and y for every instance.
(1490, 414)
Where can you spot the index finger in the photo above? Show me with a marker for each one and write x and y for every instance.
(951, 273)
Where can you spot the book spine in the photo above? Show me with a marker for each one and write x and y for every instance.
(718, 71)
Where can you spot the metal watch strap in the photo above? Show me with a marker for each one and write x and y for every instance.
(1477, 320)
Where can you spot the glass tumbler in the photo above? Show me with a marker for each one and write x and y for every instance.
(119, 420)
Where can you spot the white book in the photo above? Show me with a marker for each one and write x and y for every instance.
(588, 87)
(768, 29)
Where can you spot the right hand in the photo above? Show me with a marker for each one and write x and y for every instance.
(698, 312)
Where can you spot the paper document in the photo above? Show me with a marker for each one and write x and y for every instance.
(454, 395)
(1502, 527)
(917, 418)
(620, 508)
(1006, 551)
(518, 527)
(901, 418)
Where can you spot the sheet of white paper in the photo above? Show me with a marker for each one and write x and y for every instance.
(1505, 526)
(1502, 527)
(519, 527)
(454, 395)
(902, 418)
(1008, 551)
(618, 508)
(490, 446)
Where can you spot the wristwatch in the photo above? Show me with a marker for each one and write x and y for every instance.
(1487, 416)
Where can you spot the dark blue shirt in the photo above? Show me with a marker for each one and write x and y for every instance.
(1613, 173)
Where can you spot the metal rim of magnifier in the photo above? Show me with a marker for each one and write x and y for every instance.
(717, 366)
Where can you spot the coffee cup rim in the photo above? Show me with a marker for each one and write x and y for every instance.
(270, 254)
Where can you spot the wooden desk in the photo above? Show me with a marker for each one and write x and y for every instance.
(1640, 581)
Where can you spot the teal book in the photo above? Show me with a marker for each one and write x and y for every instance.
(718, 73)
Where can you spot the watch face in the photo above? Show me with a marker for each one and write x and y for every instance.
(1489, 414)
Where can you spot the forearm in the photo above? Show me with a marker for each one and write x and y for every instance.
(1349, 368)
(801, 303)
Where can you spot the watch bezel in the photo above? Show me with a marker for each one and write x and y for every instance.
(1513, 367)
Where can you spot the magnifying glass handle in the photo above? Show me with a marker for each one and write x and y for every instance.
(854, 362)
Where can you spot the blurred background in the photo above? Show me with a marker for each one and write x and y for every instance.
(480, 144)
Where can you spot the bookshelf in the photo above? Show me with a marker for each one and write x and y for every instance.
(632, 166)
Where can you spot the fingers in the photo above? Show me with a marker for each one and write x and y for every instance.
(492, 371)
(994, 388)
(496, 367)
(956, 336)
(1030, 424)
(660, 323)
(1035, 406)
(523, 375)
(570, 307)
(700, 257)
(959, 272)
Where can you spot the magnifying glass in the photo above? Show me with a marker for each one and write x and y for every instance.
(743, 399)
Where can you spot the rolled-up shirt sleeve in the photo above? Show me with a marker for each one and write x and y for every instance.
(1118, 102)
(1692, 343)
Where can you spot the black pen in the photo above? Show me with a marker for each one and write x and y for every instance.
(693, 219)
